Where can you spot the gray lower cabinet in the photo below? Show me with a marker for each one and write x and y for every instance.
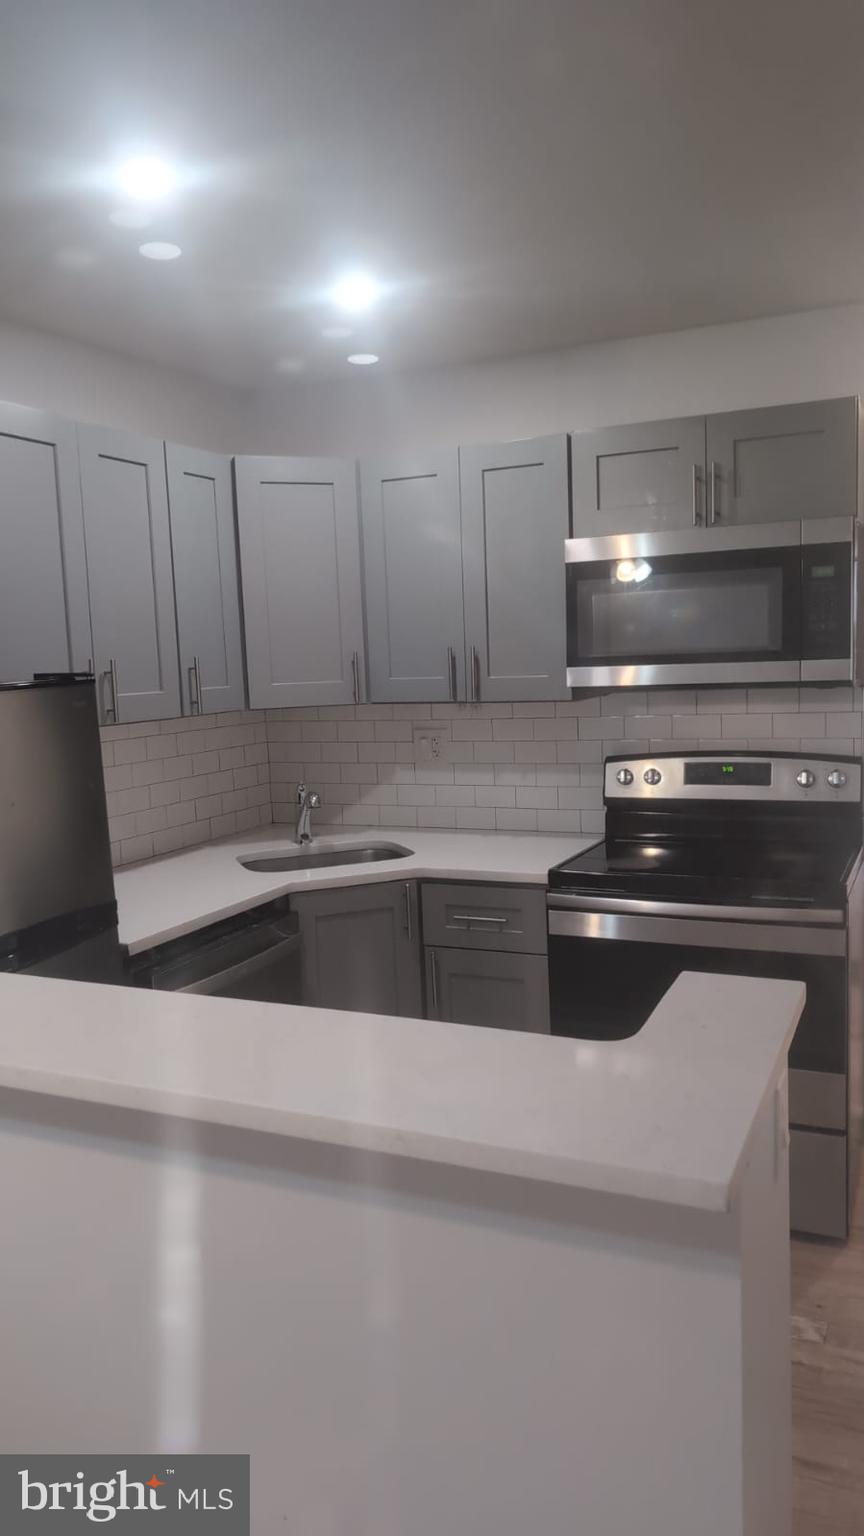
(300, 568)
(488, 987)
(205, 580)
(131, 580)
(515, 516)
(784, 461)
(44, 608)
(645, 477)
(412, 561)
(360, 948)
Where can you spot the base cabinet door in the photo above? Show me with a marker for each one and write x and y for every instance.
(131, 576)
(641, 478)
(44, 606)
(782, 462)
(205, 580)
(488, 987)
(360, 948)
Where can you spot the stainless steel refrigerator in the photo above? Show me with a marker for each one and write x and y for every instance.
(58, 912)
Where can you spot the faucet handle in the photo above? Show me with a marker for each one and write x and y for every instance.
(314, 800)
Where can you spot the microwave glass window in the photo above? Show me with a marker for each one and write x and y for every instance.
(736, 612)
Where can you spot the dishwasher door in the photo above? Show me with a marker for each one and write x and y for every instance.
(248, 957)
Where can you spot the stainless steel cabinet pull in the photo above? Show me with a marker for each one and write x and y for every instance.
(111, 709)
(451, 673)
(475, 675)
(409, 911)
(715, 493)
(198, 683)
(697, 515)
(194, 689)
(355, 673)
(433, 979)
(477, 917)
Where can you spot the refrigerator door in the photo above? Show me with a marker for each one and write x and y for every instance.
(55, 855)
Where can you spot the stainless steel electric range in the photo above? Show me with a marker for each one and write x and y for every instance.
(745, 864)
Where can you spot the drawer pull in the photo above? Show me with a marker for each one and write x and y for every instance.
(478, 917)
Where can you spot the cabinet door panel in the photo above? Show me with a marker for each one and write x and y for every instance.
(412, 556)
(514, 523)
(131, 577)
(784, 461)
(638, 478)
(488, 988)
(300, 562)
(44, 607)
(360, 948)
(205, 579)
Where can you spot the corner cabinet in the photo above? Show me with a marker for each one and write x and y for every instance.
(300, 570)
(44, 605)
(412, 560)
(131, 581)
(360, 948)
(514, 523)
(206, 580)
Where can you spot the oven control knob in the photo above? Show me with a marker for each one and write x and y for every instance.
(836, 779)
(805, 778)
(624, 776)
(652, 775)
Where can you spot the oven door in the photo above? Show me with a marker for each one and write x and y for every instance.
(709, 605)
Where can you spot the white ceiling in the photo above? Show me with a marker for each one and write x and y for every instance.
(523, 174)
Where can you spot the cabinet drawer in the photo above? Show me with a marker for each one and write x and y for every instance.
(485, 917)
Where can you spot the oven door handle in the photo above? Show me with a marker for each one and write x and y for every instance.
(806, 916)
(683, 931)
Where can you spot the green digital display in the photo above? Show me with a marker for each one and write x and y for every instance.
(728, 767)
(822, 571)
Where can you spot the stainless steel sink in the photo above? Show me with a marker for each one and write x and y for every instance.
(324, 858)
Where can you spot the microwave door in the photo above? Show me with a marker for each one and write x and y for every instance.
(661, 614)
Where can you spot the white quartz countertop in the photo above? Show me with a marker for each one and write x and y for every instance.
(167, 897)
(664, 1116)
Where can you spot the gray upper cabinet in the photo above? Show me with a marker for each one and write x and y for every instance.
(639, 478)
(412, 557)
(300, 567)
(205, 580)
(785, 461)
(514, 523)
(361, 948)
(44, 613)
(131, 580)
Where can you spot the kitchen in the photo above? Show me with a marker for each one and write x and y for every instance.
(373, 657)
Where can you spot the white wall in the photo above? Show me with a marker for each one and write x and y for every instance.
(90, 384)
(759, 362)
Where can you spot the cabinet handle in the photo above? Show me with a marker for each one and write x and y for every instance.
(451, 673)
(433, 980)
(715, 494)
(477, 917)
(409, 911)
(475, 675)
(194, 689)
(697, 515)
(355, 674)
(111, 709)
(199, 688)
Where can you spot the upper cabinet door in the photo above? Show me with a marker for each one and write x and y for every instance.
(44, 612)
(784, 461)
(640, 478)
(131, 580)
(205, 580)
(412, 555)
(300, 566)
(514, 524)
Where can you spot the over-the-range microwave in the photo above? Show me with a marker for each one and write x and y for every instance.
(766, 603)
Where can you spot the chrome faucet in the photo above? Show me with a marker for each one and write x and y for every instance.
(308, 800)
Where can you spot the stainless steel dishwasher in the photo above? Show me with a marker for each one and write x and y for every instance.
(253, 955)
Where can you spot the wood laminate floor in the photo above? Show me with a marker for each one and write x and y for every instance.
(828, 1384)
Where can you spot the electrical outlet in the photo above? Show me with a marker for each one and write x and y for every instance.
(427, 744)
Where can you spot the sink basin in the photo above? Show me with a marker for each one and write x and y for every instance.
(324, 858)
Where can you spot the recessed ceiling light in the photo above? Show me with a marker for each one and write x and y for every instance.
(146, 178)
(160, 250)
(336, 332)
(363, 359)
(129, 218)
(355, 292)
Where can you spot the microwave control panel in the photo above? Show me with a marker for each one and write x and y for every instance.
(826, 601)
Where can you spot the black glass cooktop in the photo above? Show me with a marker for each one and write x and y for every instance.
(732, 871)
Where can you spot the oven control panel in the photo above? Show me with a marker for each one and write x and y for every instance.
(736, 776)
